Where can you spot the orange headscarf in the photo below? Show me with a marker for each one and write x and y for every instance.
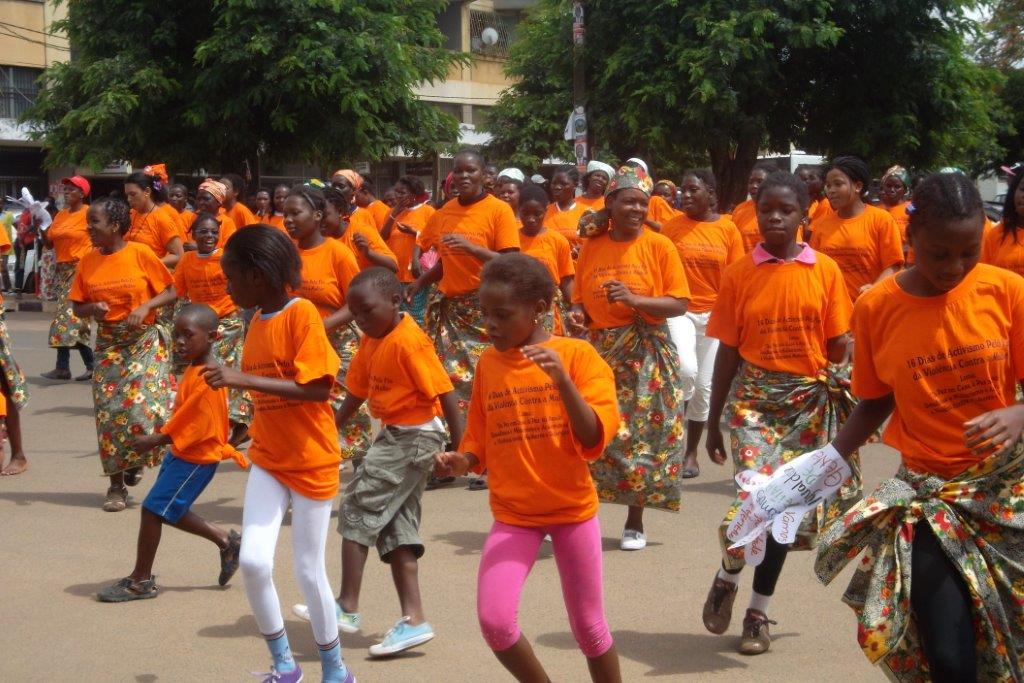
(215, 188)
(158, 171)
(351, 176)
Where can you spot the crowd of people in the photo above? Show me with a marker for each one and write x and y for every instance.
(567, 342)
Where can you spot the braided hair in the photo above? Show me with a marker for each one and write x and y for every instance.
(264, 249)
(117, 211)
(527, 277)
(942, 198)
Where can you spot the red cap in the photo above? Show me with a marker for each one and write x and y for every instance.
(79, 182)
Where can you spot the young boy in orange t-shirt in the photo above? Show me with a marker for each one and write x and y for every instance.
(197, 440)
(542, 408)
(397, 371)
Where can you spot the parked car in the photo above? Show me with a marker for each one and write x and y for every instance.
(994, 208)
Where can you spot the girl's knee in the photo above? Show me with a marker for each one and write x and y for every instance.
(254, 566)
(593, 637)
(500, 630)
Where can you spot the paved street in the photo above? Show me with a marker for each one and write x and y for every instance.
(59, 548)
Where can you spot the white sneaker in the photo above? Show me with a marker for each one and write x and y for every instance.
(347, 622)
(633, 540)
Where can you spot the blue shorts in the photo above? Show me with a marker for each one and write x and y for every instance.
(177, 486)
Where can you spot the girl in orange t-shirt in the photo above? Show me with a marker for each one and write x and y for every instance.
(356, 229)
(940, 355)
(813, 177)
(707, 243)
(121, 285)
(69, 237)
(328, 266)
(1003, 245)
(276, 217)
(863, 239)
(150, 225)
(177, 198)
(289, 367)
(628, 281)
(781, 316)
(401, 229)
(542, 408)
(894, 191)
(744, 215)
(199, 278)
(551, 249)
(563, 213)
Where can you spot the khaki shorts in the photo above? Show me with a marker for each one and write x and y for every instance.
(382, 501)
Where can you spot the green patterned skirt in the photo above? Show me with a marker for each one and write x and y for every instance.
(66, 330)
(456, 325)
(133, 391)
(641, 464)
(978, 519)
(14, 378)
(774, 417)
(355, 436)
(228, 350)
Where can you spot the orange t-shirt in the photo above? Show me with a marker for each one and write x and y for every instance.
(124, 280)
(1004, 251)
(863, 246)
(296, 441)
(227, 228)
(946, 359)
(402, 244)
(70, 235)
(277, 220)
(564, 222)
(781, 315)
(187, 216)
(379, 210)
(595, 204)
(744, 217)
(326, 271)
(818, 209)
(241, 215)
(488, 222)
(155, 229)
(705, 248)
(201, 280)
(519, 430)
(400, 374)
(649, 266)
(659, 211)
(899, 214)
(362, 223)
(198, 426)
(551, 249)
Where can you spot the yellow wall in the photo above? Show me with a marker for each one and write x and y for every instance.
(25, 19)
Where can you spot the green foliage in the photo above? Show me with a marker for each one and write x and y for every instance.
(197, 84)
(716, 82)
(1002, 41)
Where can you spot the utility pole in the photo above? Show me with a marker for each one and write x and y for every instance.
(581, 144)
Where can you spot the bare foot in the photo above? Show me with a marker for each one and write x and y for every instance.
(17, 465)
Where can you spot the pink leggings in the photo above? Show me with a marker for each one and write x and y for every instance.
(508, 557)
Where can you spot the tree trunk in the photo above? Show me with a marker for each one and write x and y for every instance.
(731, 163)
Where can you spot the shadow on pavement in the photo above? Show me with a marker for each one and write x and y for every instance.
(89, 590)
(725, 487)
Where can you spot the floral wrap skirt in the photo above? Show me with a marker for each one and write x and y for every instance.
(456, 325)
(67, 331)
(357, 433)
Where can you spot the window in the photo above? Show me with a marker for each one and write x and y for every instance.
(490, 33)
(18, 90)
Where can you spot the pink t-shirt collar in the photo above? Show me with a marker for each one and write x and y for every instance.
(761, 255)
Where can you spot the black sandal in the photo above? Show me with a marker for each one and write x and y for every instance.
(229, 558)
(127, 590)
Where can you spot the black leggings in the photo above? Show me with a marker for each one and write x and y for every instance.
(766, 574)
(941, 603)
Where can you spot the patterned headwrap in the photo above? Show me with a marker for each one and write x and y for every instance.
(669, 183)
(217, 189)
(630, 178)
(354, 179)
(899, 173)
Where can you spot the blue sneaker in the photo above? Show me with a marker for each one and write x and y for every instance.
(348, 622)
(401, 637)
(275, 676)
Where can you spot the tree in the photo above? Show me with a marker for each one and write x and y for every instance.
(1002, 42)
(198, 84)
(718, 81)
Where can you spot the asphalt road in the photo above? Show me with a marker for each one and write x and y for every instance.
(59, 548)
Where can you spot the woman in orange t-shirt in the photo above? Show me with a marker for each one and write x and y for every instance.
(401, 229)
(542, 408)
(276, 217)
(744, 214)
(1003, 246)
(813, 177)
(707, 243)
(629, 279)
(289, 368)
(781, 316)
(264, 206)
(551, 249)
(122, 285)
(863, 239)
(328, 266)
(239, 213)
(508, 190)
(151, 225)
(563, 214)
(894, 190)
(939, 593)
(68, 235)
(210, 198)
(356, 229)
(177, 198)
(594, 183)
(199, 279)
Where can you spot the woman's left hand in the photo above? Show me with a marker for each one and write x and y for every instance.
(138, 316)
(995, 431)
(618, 292)
(361, 243)
(458, 244)
(548, 361)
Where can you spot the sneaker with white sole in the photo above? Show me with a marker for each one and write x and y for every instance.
(633, 540)
(348, 622)
(401, 637)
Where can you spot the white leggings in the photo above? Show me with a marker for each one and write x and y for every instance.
(696, 361)
(266, 501)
